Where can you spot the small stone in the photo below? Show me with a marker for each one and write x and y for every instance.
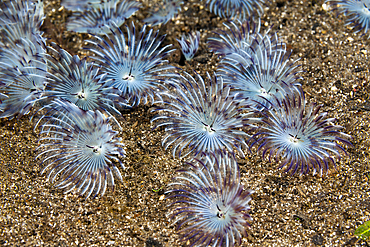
(318, 239)
(325, 7)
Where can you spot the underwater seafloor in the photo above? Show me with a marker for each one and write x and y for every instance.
(287, 210)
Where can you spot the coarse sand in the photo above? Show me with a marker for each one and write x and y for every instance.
(287, 210)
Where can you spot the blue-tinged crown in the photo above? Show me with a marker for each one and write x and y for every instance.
(23, 77)
(102, 18)
(164, 13)
(202, 116)
(209, 204)
(189, 45)
(81, 5)
(21, 20)
(80, 82)
(133, 62)
(82, 152)
(236, 9)
(265, 73)
(299, 136)
(357, 12)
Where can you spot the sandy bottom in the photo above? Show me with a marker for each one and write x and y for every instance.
(287, 211)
